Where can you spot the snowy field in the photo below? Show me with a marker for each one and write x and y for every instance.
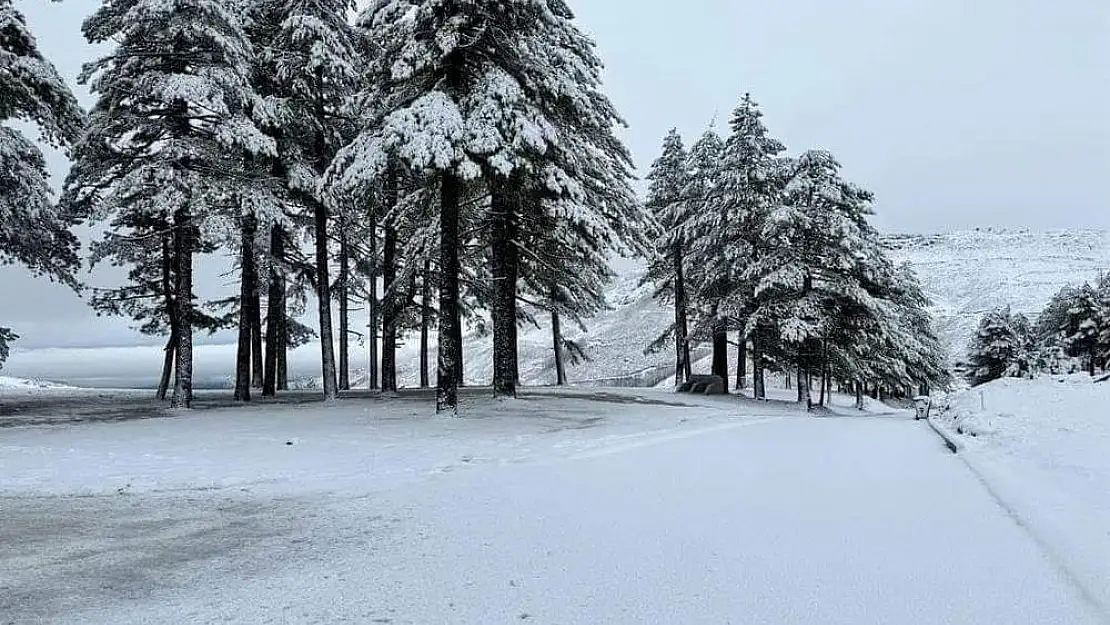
(565, 506)
(1044, 447)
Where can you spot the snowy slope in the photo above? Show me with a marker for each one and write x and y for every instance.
(967, 274)
(16, 385)
(1044, 448)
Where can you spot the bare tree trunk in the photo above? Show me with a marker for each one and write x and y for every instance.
(183, 254)
(323, 300)
(447, 397)
(741, 361)
(805, 397)
(759, 390)
(425, 322)
(390, 309)
(169, 297)
(859, 395)
(167, 367)
(344, 296)
(246, 293)
(258, 370)
(560, 358)
(720, 350)
(503, 309)
(374, 304)
(275, 312)
(682, 329)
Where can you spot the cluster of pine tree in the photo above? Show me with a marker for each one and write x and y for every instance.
(1071, 334)
(779, 250)
(445, 161)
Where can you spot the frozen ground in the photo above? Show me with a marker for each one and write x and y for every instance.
(1044, 447)
(614, 506)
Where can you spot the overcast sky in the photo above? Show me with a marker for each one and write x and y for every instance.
(956, 113)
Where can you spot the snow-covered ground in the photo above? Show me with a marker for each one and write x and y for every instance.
(10, 385)
(564, 506)
(1043, 446)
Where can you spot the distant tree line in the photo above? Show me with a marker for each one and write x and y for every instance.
(1071, 334)
(778, 250)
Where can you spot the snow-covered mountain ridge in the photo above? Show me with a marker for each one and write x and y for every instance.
(969, 273)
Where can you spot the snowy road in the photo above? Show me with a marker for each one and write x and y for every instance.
(775, 520)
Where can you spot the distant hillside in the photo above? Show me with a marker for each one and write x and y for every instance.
(969, 273)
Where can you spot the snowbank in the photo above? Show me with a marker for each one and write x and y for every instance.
(20, 384)
(1043, 448)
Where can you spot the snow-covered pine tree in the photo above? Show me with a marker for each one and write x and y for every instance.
(702, 171)
(169, 130)
(1083, 328)
(33, 231)
(994, 348)
(728, 228)
(502, 97)
(666, 201)
(312, 54)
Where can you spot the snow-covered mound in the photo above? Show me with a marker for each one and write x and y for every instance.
(1043, 446)
(967, 274)
(20, 384)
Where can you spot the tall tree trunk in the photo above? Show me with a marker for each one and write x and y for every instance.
(720, 350)
(258, 370)
(246, 294)
(183, 253)
(275, 312)
(169, 298)
(859, 395)
(805, 397)
(167, 367)
(759, 390)
(374, 305)
(824, 371)
(425, 321)
(323, 297)
(460, 364)
(390, 308)
(741, 361)
(448, 371)
(560, 357)
(503, 309)
(682, 329)
(344, 295)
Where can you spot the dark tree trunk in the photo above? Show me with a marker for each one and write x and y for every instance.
(449, 332)
(275, 312)
(425, 322)
(323, 300)
(374, 304)
(720, 350)
(741, 362)
(682, 329)
(503, 309)
(859, 395)
(169, 298)
(183, 255)
(343, 293)
(824, 373)
(390, 308)
(759, 390)
(167, 367)
(247, 282)
(805, 397)
(560, 358)
(460, 365)
(258, 370)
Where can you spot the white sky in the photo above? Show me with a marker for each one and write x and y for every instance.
(956, 113)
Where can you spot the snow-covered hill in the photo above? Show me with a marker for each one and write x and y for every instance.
(969, 273)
